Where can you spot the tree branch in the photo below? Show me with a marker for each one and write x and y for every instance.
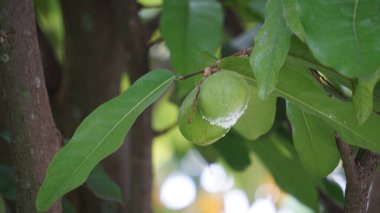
(360, 171)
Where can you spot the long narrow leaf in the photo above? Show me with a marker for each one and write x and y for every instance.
(99, 135)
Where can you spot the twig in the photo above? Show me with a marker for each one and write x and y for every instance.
(183, 77)
(213, 68)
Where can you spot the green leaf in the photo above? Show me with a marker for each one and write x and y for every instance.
(281, 161)
(270, 48)
(376, 98)
(340, 115)
(363, 97)
(344, 35)
(103, 186)
(300, 52)
(190, 27)
(333, 191)
(67, 206)
(208, 153)
(233, 149)
(314, 142)
(150, 3)
(7, 182)
(2, 205)
(99, 135)
(259, 116)
(292, 19)
(297, 85)
(237, 64)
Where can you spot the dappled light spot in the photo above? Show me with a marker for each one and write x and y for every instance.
(215, 179)
(235, 201)
(178, 191)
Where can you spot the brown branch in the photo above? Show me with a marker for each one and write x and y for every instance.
(360, 171)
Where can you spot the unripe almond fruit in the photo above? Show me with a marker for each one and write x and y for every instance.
(223, 98)
(193, 127)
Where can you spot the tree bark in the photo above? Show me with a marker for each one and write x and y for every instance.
(360, 170)
(93, 61)
(374, 204)
(136, 46)
(92, 70)
(34, 137)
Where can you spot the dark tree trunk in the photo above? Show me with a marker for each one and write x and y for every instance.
(140, 147)
(92, 71)
(52, 69)
(93, 61)
(34, 137)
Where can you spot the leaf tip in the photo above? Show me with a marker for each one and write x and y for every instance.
(362, 117)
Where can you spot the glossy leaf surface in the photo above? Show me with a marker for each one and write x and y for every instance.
(271, 46)
(99, 135)
(344, 35)
(314, 142)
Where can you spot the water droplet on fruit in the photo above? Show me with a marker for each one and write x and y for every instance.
(227, 121)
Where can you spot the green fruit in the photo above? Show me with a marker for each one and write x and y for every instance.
(223, 98)
(198, 131)
(258, 118)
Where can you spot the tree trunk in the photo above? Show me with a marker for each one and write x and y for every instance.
(92, 70)
(136, 45)
(34, 137)
(93, 61)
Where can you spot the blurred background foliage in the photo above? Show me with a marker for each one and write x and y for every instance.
(211, 179)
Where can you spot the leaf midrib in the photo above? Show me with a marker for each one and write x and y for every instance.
(310, 136)
(289, 96)
(107, 134)
(354, 28)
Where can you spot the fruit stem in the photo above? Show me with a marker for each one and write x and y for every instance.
(213, 68)
(183, 77)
